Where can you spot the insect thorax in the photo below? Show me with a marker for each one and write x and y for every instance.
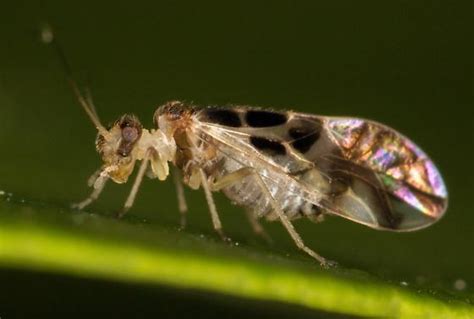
(197, 149)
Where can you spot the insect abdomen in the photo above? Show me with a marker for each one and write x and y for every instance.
(286, 191)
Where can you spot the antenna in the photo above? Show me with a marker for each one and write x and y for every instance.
(48, 37)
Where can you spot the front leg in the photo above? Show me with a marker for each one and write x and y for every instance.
(98, 183)
(136, 184)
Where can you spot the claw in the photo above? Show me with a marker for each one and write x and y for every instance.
(81, 205)
(327, 264)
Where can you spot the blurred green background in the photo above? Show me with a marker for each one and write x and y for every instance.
(408, 64)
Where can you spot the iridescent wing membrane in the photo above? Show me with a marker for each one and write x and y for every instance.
(372, 174)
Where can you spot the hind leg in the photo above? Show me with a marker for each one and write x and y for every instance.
(290, 228)
(233, 178)
(257, 227)
(248, 171)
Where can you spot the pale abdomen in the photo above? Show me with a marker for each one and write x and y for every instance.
(248, 193)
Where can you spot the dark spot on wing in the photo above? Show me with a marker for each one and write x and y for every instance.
(257, 118)
(223, 117)
(267, 146)
(303, 137)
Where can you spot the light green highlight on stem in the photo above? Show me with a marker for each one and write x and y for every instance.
(51, 249)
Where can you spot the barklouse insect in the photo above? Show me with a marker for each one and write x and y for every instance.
(278, 165)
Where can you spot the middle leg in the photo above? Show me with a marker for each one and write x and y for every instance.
(182, 205)
(212, 206)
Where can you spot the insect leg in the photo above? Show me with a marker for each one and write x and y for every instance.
(246, 171)
(289, 226)
(212, 206)
(98, 187)
(136, 184)
(232, 178)
(91, 180)
(257, 227)
(182, 206)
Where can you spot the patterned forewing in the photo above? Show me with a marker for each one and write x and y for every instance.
(357, 169)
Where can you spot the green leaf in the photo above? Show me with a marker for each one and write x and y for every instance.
(87, 245)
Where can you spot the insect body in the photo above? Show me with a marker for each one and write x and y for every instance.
(279, 165)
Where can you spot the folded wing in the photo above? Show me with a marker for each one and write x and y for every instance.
(366, 172)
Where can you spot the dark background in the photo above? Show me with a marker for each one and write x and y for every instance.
(408, 64)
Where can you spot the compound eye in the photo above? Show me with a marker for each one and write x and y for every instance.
(131, 130)
(129, 134)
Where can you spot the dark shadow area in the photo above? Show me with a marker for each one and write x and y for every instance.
(34, 294)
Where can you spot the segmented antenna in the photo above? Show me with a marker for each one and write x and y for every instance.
(48, 37)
